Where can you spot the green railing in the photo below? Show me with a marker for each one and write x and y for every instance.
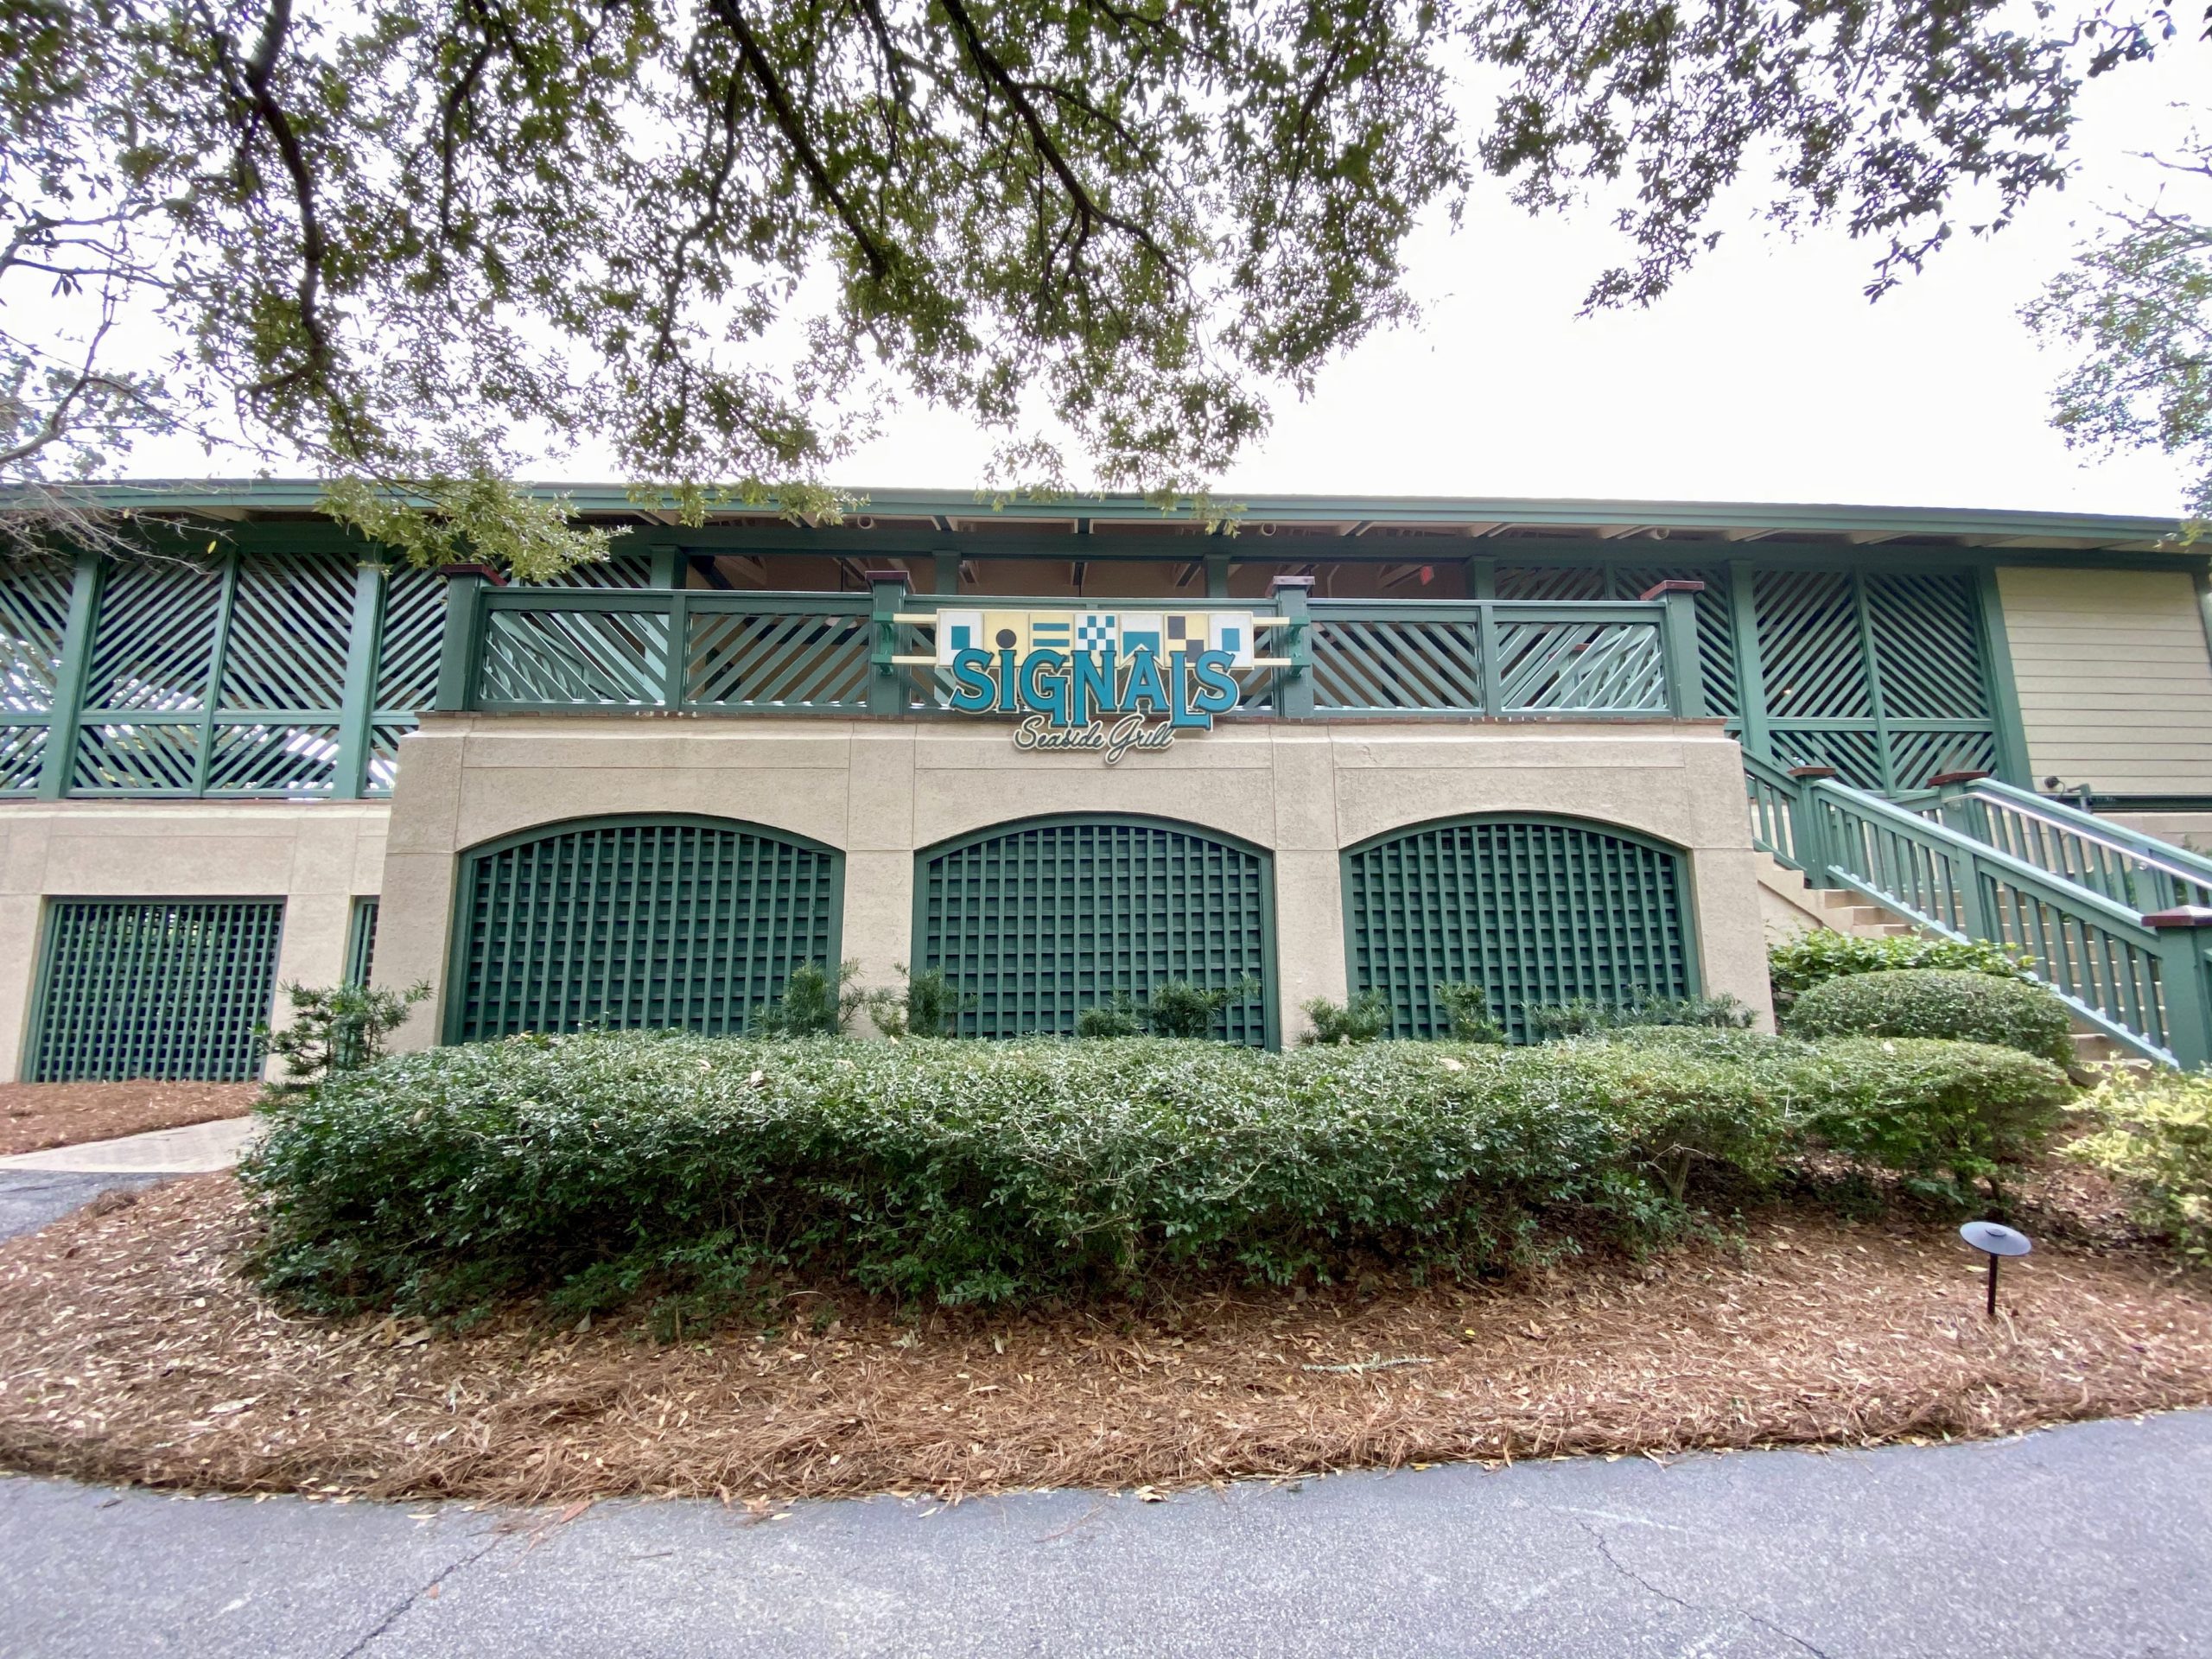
(516, 649)
(2128, 868)
(2141, 976)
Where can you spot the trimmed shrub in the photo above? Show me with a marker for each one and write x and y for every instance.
(812, 1004)
(595, 1169)
(601, 1166)
(1364, 1018)
(1798, 963)
(1117, 1016)
(1920, 1002)
(1929, 1108)
(1583, 1018)
(927, 1005)
(336, 1028)
(2155, 1139)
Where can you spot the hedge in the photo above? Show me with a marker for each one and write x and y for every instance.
(595, 1169)
(1798, 963)
(1964, 1007)
(2154, 1138)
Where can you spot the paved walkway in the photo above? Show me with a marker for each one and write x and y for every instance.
(186, 1151)
(2087, 1541)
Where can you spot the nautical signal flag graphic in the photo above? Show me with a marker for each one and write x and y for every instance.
(1161, 633)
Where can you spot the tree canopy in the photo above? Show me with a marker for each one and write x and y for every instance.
(2134, 310)
(410, 241)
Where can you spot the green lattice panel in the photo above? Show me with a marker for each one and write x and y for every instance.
(1810, 647)
(652, 923)
(265, 757)
(1927, 649)
(361, 942)
(1534, 910)
(1426, 667)
(33, 611)
(758, 661)
(154, 644)
(1551, 582)
(563, 659)
(284, 644)
(22, 750)
(138, 758)
(1576, 667)
(1716, 633)
(1040, 921)
(166, 988)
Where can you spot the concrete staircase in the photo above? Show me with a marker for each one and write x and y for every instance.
(1791, 904)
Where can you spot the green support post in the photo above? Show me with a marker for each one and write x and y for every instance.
(2003, 691)
(1751, 671)
(886, 685)
(1678, 640)
(1491, 666)
(1482, 576)
(1956, 808)
(2185, 976)
(351, 770)
(59, 760)
(465, 585)
(665, 566)
(1218, 575)
(1294, 684)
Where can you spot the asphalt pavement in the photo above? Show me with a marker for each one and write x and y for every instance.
(2083, 1541)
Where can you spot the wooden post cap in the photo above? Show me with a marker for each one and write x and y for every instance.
(1661, 590)
(490, 573)
(2181, 916)
(877, 578)
(1281, 583)
(1814, 772)
(1943, 779)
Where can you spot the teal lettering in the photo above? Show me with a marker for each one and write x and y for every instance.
(972, 691)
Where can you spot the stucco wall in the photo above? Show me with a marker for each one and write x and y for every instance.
(2115, 678)
(316, 856)
(881, 790)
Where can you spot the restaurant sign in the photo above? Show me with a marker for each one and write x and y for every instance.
(1105, 682)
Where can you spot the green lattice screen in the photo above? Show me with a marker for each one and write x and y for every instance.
(1716, 637)
(1041, 921)
(361, 942)
(1880, 676)
(1535, 911)
(638, 922)
(34, 612)
(154, 989)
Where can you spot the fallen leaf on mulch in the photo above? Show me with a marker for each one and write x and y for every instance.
(36, 1115)
(130, 1349)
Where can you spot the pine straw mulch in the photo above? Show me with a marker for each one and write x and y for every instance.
(130, 1349)
(36, 1115)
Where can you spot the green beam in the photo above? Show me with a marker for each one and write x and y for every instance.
(61, 758)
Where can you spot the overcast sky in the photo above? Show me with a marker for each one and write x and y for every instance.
(1766, 375)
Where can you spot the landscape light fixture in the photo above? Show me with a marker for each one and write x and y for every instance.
(1994, 1242)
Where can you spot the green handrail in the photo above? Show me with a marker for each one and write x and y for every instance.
(2123, 864)
(2141, 976)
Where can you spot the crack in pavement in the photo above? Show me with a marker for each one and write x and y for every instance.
(383, 1626)
(1723, 1609)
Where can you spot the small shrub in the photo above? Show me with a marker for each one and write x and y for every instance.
(1179, 1008)
(1365, 1018)
(1584, 1018)
(927, 1007)
(812, 1004)
(1926, 1002)
(1798, 963)
(336, 1028)
(1929, 1108)
(1117, 1016)
(2155, 1139)
(1467, 1007)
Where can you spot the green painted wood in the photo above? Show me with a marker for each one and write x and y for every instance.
(358, 703)
(361, 940)
(2012, 765)
(1535, 910)
(1039, 921)
(637, 922)
(167, 988)
(45, 621)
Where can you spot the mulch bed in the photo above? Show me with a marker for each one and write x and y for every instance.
(36, 1115)
(131, 1350)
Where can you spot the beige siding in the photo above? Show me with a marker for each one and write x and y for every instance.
(2115, 681)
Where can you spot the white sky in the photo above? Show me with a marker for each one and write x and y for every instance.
(1766, 376)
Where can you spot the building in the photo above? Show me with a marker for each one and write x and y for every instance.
(1355, 744)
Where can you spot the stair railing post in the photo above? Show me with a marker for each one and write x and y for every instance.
(2185, 982)
(886, 685)
(1957, 807)
(1294, 684)
(1808, 833)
